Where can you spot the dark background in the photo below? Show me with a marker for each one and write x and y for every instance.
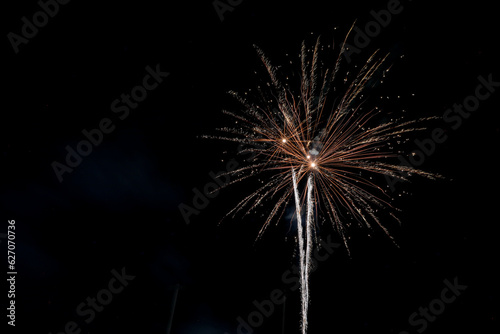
(119, 207)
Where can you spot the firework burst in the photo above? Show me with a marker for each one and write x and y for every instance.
(315, 144)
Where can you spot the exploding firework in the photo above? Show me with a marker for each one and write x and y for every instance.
(315, 144)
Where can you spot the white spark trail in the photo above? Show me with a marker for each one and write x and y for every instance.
(308, 252)
(302, 253)
(305, 240)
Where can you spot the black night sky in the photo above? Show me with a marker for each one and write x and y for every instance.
(116, 214)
